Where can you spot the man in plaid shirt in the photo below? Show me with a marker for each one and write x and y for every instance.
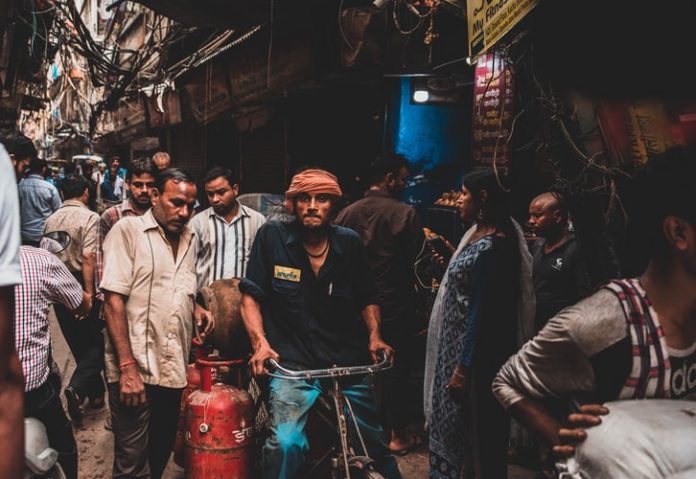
(140, 179)
(45, 280)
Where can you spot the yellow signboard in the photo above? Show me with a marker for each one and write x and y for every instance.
(489, 20)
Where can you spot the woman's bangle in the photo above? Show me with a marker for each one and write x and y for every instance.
(126, 363)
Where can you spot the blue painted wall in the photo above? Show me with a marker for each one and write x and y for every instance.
(429, 135)
(435, 138)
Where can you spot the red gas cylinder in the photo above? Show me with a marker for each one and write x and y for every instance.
(193, 381)
(219, 428)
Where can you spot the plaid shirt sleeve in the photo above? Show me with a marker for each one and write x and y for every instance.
(63, 287)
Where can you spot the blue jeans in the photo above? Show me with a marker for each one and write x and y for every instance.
(290, 402)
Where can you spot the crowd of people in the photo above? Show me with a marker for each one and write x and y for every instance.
(517, 330)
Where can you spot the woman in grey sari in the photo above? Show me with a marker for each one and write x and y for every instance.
(483, 311)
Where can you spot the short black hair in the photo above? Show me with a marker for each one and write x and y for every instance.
(17, 144)
(73, 186)
(37, 165)
(381, 167)
(664, 187)
(218, 172)
(141, 166)
(177, 175)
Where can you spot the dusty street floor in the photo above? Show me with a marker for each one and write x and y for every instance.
(95, 443)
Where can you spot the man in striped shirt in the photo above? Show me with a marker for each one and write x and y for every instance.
(45, 280)
(224, 232)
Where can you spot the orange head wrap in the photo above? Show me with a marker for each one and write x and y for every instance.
(313, 181)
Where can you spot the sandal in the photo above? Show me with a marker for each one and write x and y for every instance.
(75, 404)
(416, 442)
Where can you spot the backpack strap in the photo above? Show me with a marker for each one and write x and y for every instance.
(651, 370)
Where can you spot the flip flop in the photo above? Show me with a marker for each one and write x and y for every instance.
(417, 442)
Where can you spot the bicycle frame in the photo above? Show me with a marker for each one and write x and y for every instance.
(341, 404)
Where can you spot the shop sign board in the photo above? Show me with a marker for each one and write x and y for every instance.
(489, 20)
(635, 131)
(493, 112)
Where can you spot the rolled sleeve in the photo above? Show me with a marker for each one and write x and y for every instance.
(118, 261)
(247, 286)
(258, 274)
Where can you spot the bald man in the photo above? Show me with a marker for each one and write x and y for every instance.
(559, 276)
(162, 160)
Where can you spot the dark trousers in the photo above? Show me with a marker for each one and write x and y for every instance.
(86, 341)
(144, 435)
(492, 427)
(43, 403)
(399, 394)
(290, 402)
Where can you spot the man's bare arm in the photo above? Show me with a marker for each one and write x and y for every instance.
(88, 267)
(130, 383)
(85, 306)
(253, 322)
(372, 316)
(535, 417)
(11, 392)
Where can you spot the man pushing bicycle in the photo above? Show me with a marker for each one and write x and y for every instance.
(306, 286)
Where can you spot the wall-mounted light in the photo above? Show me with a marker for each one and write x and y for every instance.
(421, 96)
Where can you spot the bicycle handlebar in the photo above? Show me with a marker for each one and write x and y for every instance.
(277, 371)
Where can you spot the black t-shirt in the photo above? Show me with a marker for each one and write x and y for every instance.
(557, 278)
(311, 321)
(393, 237)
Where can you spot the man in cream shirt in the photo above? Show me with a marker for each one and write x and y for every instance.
(149, 284)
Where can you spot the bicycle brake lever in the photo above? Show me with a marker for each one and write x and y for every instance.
(270, 364)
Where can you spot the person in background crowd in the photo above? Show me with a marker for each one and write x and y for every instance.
(85, 339)
(98, 175)
(116, 163)
(307, 284)
(225, 231)
(559, 276)
(46, 280)
(11, 381)
(141, 179)
(87, 173)
(98, 179)
(38, 200)
(481, 311)
(162, 160)
(112, 187)
(634, 338)
(20, 149)
(149, 284)
(393, 237)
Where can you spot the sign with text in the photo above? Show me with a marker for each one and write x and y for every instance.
(489, 20)
(493, 112)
